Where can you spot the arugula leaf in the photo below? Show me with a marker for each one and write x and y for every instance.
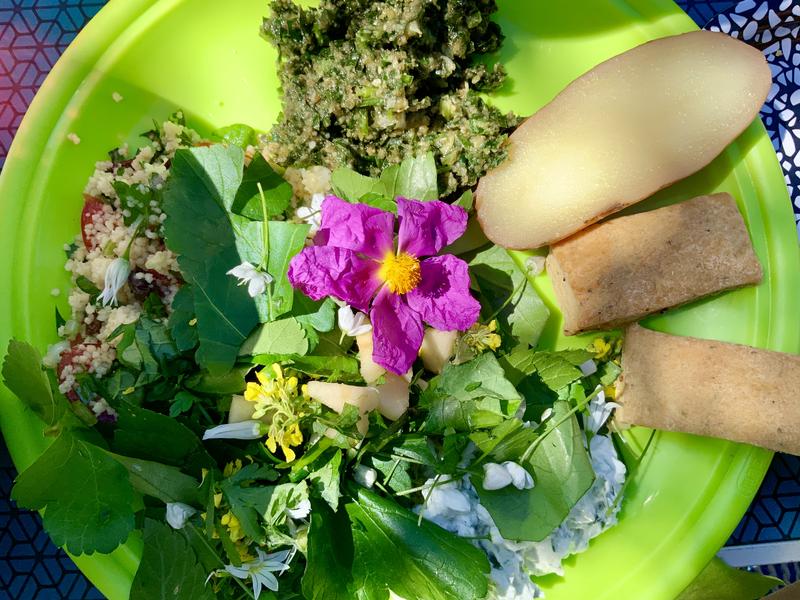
(169, 569)
(285, 336)
(182, 324)
(277, 192)
(562, 473)
(469, 396)
(202, 185)
(24, 376)
(416, 561)
(325, 480)
(506, 291)
(166, 483)
(86, 493)
(329, 555)
(141, 433)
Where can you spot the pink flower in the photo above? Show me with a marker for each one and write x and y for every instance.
(356, 261)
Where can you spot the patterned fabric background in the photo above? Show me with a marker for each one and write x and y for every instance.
(33, 34)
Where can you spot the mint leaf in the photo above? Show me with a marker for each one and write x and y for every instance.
(169, 569)
(24, 376)
(202, 184)
(277, 192)
(86, 493)
(329, 556)
(505, 288)
(285, 336)
(562, 474)
(470, 396)
(416, 561)
(166, 483)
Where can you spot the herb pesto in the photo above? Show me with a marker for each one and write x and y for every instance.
(366, 84)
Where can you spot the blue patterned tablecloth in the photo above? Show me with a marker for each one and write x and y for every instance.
(34, 33)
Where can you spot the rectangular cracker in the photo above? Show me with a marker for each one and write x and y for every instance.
(621, 270)
(710, 388)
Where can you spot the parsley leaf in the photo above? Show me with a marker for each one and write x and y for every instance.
(469, 396)
(169, 569)
(416, 561)
(86, 492)
(24, 376)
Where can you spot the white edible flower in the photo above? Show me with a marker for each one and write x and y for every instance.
(312, 215)
(497, 476)
(353, 323)
(301, 510)
(178, 513)
(116, 275)
(588, 368)
(535, 265)
(244, 430)
(260, 571)
(599, 412)
(366, 476)
(53, 355)
(520, 477)
(256, 280)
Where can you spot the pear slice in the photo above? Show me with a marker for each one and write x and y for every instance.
(619, 133)
(336, 395)
(370, 370)
(437, 348)
(393, 396)
(241, 409)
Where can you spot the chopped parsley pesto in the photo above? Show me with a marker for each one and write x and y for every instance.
(366, 84)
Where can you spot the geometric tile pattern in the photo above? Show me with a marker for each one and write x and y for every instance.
(34, 33)
(31, 567)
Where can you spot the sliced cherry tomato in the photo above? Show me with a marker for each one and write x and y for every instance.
(91, 206)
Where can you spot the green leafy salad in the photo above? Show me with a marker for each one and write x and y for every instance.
(315, 378)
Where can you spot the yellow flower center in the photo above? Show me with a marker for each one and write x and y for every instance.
(401, 272)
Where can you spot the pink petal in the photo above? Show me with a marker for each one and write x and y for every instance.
(427, 227)
(396, 333)
(321, 271)
(442, 297)
(359, 227)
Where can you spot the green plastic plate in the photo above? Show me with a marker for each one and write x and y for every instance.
(206, 57)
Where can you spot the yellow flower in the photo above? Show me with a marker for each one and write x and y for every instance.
(283, 402)
(232, 467)
(610, 391)
(600, 348)
(233, 526)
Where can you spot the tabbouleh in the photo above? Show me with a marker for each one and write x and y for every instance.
(368, 83)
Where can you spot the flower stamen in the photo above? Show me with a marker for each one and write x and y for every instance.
(401, 272)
